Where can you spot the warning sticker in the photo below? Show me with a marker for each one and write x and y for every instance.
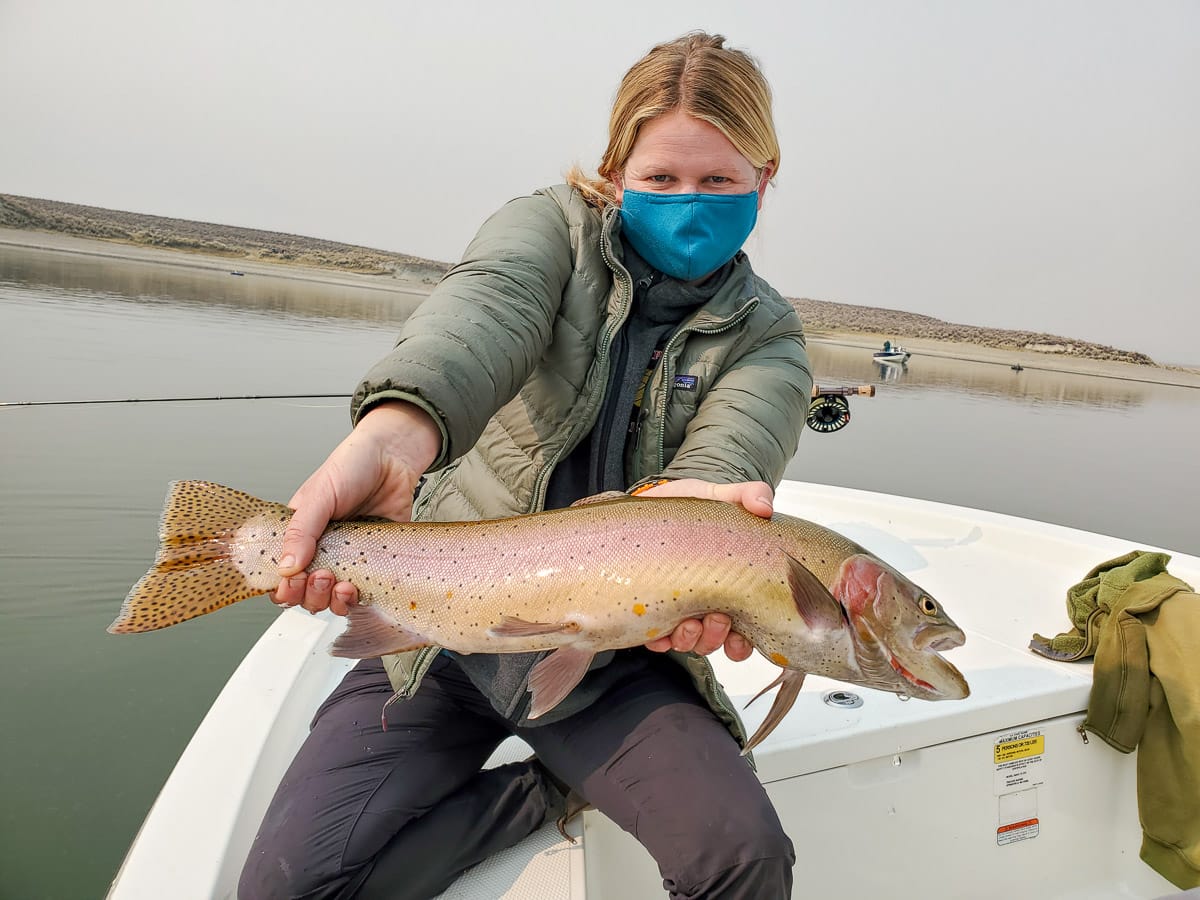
(1017, 831)
(1018, 817)
(1019, 758)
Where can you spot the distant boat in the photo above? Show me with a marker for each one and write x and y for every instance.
(1017, 368)
(891, 353)
(237, 273)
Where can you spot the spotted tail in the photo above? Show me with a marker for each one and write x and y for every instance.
(200, 549)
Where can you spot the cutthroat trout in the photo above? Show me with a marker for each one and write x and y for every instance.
(601, 575)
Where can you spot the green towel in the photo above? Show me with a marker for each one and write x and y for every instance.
(1142, 626)
(1090, 601)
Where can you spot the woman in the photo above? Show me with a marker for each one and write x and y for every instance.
(605, 334)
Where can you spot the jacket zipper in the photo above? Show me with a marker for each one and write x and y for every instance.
(625, 284)
(421, 664)
(715, 696)
(609, 409)
(669, 375)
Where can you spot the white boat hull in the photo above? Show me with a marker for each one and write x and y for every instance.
(888, 799)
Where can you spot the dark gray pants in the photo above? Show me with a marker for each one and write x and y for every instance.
(367, 813)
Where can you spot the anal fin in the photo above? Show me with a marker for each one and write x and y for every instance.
(556, 676)
(790, 681)
(372, 632)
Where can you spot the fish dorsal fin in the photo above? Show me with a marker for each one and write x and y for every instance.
(790, 681)
(372, 632)
(603, 497)
(555, 677)
(819, 609)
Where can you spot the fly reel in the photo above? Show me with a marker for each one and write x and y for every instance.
(830, 410)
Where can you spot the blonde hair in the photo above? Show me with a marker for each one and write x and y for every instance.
(702, 77)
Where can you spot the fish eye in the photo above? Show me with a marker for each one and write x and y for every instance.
(928, 606)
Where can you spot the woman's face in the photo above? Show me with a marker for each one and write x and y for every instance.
(678, 154)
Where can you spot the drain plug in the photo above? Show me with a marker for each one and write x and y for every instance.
(843, 699)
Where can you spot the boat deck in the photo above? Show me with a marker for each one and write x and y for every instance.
(899, 784)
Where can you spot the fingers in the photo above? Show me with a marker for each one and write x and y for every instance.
(659, 645)
(715, 628)
(737, 647)
(754, 496)
(314, 508)
(316, 591)
(701, 636)
(345, 595)
(757, 497)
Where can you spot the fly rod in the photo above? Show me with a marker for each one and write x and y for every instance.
(11, 403)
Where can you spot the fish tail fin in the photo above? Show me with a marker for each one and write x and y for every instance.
(194, 572)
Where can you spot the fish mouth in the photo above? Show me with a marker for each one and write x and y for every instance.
(938, 638)
(948, 683)
(909, 676)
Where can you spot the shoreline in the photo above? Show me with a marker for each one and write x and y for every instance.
(58, 242)
(1176, 376)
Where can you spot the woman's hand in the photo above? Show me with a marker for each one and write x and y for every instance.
(705, 635)
(373, 472)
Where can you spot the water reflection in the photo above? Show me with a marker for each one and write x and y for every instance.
(74, 274)
(836, 363)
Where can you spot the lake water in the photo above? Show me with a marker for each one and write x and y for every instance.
(93, 723)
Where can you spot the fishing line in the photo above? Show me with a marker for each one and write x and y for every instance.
(11, 403)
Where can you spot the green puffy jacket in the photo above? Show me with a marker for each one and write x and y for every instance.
(510, 355)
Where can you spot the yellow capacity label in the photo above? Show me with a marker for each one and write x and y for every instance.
(1022, 748)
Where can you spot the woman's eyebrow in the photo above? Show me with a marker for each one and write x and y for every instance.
(656, 167)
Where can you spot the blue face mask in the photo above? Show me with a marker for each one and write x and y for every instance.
(687, 236)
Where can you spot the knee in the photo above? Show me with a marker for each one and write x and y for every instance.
(267, 876)
(273, 872)
(752, 857)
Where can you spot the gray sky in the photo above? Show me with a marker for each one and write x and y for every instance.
(1014, 163)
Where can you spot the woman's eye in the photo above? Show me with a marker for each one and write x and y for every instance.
(659, 179)
(718, 179)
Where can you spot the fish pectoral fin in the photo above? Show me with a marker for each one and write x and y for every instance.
(603, 497)
(372, 632)
(511, 626)
(555, 677)
(819, 608)
(790, 681)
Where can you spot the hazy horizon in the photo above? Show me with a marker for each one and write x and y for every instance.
(1014, 165)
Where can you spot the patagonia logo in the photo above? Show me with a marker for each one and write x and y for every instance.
(686, 382)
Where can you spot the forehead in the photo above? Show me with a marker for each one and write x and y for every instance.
(677, 139)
